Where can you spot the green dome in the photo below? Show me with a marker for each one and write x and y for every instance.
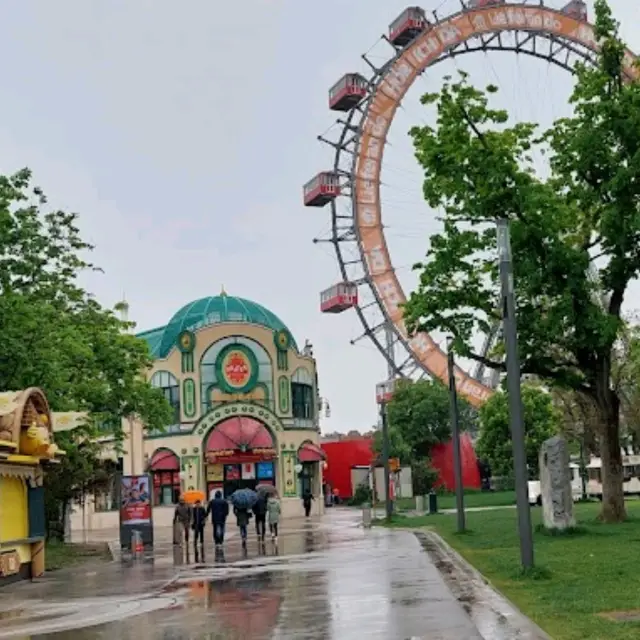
(209, 311)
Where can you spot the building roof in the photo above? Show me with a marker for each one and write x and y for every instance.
(206, 312)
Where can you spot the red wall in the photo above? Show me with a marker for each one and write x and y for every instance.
(344, 454)
(442, 460)
(341, 456)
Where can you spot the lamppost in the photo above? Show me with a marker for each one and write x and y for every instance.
(384, 393)
(455, 437)
(514, 392)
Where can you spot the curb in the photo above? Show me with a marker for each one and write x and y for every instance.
(495, 617)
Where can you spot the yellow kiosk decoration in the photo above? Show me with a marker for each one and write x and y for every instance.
(26, 444)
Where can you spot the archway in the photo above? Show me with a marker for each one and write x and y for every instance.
(239, 452)
(310, 456)
(164, 467)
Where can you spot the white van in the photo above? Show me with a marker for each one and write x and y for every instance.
(535, 493)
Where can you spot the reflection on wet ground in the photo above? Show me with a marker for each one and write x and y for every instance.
(324, 579)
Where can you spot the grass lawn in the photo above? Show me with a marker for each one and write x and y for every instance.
(471, 499)
(59, 555)
(596, 569)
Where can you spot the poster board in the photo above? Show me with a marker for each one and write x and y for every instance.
(136, 513)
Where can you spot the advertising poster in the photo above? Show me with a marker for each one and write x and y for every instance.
(135, 510)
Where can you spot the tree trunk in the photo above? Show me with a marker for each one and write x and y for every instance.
(613, 507)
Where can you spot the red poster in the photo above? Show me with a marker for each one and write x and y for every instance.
(135, 505)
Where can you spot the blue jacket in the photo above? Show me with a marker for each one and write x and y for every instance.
(219, 510)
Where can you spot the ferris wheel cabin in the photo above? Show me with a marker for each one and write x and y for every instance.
(480, 4)
(576, 9)
(407, 26)
(321, 189)
(339, 298)
(348, 92)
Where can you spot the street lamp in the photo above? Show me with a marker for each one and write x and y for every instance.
(515, 397)
(455, 437)
(384, 393)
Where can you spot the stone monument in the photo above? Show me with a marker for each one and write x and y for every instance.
(555, 484)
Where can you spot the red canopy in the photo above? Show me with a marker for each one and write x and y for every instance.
(310, 452)
(239, 432)
(164, 460)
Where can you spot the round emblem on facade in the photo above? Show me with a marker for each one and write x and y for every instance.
(282, 340)
(237, 369)
(186, 342)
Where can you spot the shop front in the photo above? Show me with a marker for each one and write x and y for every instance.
(239, 453)
(310, 457)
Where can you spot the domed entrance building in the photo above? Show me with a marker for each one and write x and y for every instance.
(245, 399)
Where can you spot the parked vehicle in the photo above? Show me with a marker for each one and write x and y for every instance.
(535, 492)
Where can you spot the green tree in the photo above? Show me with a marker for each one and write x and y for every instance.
(541, 421)
(419, 417)
(575, 235)
(55, 335)
(81, 471)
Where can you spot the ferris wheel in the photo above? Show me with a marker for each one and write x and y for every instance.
(368, 104)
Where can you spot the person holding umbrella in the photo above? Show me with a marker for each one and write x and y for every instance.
(260, 512)
(243, 500)
(307, 497)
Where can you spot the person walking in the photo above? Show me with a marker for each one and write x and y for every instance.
(307, 497)
(260, 512)
(181, 522)
(219, 510)
(242, 520)
(273, 509)
(198, 522)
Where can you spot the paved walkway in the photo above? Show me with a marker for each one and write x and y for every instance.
(326, 578)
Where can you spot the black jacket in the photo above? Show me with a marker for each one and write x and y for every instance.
(219, 510)
(198, 517)
(260, 507)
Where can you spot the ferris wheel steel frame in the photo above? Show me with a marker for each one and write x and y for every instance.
(570, 41)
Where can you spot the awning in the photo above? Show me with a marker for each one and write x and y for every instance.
(310, 452)
(164, 460)
(18, 471)
(239, 433)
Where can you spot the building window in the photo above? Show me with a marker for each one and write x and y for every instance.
(302, 394)
(165, 469)
(168, 383)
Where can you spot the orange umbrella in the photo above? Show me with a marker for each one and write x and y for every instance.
(193, 495)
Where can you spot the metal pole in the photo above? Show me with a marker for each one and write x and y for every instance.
(385, 460)
(455, 437)
(515, 397)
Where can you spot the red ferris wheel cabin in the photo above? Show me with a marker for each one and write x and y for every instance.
(321, 189)
(576, 9)
(339, 298)
(407, 26)
(348, 92)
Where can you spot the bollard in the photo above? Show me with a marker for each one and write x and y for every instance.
(433, 503)
(366, 515)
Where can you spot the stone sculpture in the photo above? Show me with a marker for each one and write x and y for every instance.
(555, 484)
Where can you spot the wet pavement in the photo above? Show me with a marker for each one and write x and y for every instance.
(327, 578)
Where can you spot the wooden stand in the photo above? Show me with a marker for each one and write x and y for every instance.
(37, 559)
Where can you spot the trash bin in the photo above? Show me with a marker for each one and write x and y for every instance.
(420, 504)
(366, 514)
(433, 503)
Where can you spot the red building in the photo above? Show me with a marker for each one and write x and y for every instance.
(342, 455)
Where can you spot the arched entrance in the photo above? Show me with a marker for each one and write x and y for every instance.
(240, 452)
(310, 456)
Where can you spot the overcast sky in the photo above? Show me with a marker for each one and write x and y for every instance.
(183, 132)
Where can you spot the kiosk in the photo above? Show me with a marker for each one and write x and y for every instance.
(26, 443)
